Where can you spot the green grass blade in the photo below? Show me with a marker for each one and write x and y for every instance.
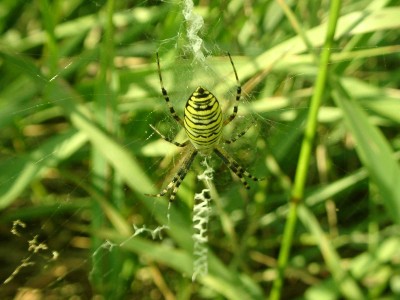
(232, 285)
(116, 155)
(345, 282)
(305, 152)
(374, 151)
(17, 174)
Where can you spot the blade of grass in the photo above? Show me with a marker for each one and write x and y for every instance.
(346, 284)
(18, 173)
(305, 152)
(373, 150)
(232, 285)
(375, 18)
(103, 110)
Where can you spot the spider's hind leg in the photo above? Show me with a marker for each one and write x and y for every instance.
(178, 178)
(234, 166)
(238, 136)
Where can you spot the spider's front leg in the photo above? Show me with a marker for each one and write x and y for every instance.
(166, 97)
(238, 94)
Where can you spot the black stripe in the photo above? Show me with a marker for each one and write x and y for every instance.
(199, 131)
(200, 121)
(203, 107)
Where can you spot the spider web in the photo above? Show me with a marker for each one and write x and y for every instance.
(52, 243)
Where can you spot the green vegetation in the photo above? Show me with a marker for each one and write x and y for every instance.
(78, 92)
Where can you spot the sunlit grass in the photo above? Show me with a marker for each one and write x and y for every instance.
(79, 89)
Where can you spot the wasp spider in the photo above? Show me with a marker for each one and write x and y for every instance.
(203, 122)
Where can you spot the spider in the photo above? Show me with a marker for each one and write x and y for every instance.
(203, 122)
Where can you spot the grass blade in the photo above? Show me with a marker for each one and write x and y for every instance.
(374, 151)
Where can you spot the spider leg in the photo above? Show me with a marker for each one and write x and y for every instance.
(165, 94)
(238, 136)
(238, 94)
(184, 144)
(235, 167)
(178, 178)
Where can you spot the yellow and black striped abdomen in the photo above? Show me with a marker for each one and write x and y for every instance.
(203, 120)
